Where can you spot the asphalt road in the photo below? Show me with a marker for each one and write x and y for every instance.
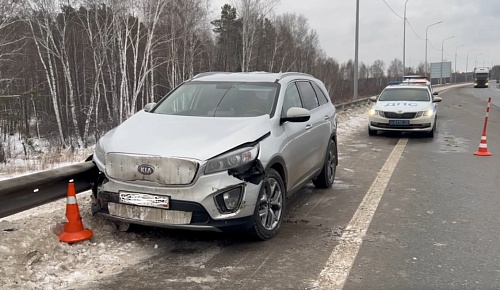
(431, 221)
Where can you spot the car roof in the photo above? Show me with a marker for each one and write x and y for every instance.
(249, 76)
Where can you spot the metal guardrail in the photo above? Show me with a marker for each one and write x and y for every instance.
(25, 192)
(346, 105)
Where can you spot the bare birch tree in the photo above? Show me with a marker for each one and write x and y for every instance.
(40, 24)
(251, 12)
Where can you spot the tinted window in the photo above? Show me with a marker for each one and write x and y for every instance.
(319, 93)
(292, 99)
(405, 95)
(308, 95)
(220, 99)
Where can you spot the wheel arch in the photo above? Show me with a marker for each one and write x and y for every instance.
(278, 163)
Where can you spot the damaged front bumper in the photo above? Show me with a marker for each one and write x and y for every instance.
(219, 201)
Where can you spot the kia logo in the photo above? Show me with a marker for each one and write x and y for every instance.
(146, 169)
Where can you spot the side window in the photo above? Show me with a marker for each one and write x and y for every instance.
(308, 95)
(319, 93)
(292, 99)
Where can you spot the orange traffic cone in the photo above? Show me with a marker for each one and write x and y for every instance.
(73, 228)
(483, 147)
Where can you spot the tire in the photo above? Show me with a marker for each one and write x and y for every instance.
(371, 132)
(327, 176)
(431, 133)
(269, 208)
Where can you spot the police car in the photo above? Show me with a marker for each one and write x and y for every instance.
(404, 108)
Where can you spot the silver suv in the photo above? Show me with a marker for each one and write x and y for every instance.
(222, 151)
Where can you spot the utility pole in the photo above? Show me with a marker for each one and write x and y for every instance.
(456, 61)
(426, 41)
(356, 43)
(467, 66)
(442, 54)
(404, 41)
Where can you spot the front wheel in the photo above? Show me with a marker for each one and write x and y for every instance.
(431, 133)
(326, 177)
(371, 132)
(270, 207)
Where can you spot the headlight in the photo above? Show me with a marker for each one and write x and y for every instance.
(424, 113)
(233, 159)
(428, 113)
(376, 112)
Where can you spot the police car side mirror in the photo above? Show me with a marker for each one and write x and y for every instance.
(373, 99)
(437, 100)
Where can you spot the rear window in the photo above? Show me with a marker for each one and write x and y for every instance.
(308, 95)
(408, 94)
(321, 96)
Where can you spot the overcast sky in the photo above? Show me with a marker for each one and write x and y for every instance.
(475, 23)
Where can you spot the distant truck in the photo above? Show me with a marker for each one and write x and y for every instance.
(481, 77)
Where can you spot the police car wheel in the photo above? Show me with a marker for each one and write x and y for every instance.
(371, 132)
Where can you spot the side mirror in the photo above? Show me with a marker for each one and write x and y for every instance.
(373, 99)
(149, 107)
(437, 100)
(435, 93)
(296, 114)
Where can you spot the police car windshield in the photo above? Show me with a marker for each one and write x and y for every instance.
(406, 94)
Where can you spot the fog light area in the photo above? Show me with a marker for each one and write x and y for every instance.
(229, 201)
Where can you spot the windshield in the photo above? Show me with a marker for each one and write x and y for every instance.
(220, 99)
(405, 95)
(482, 76)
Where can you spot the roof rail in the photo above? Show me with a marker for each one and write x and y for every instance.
(208, 73)
(286, 74)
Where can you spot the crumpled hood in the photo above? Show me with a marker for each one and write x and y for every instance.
(183, 136)
(403, 106)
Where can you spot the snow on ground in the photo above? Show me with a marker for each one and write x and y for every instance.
(33, 258)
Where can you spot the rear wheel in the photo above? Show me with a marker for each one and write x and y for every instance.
(270, 207)
(326, 177)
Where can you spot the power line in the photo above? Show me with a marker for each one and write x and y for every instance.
(413, 29)
(433, 46)
(392, 10)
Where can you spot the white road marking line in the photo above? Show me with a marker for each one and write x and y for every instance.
(335, 273)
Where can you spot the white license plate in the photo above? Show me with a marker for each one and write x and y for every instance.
(142, 199)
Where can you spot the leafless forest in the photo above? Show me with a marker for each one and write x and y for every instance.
(71, 70)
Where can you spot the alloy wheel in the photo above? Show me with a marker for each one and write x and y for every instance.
(271, 204)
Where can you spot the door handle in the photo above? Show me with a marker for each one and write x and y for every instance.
(327, 118)
(308, 127)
